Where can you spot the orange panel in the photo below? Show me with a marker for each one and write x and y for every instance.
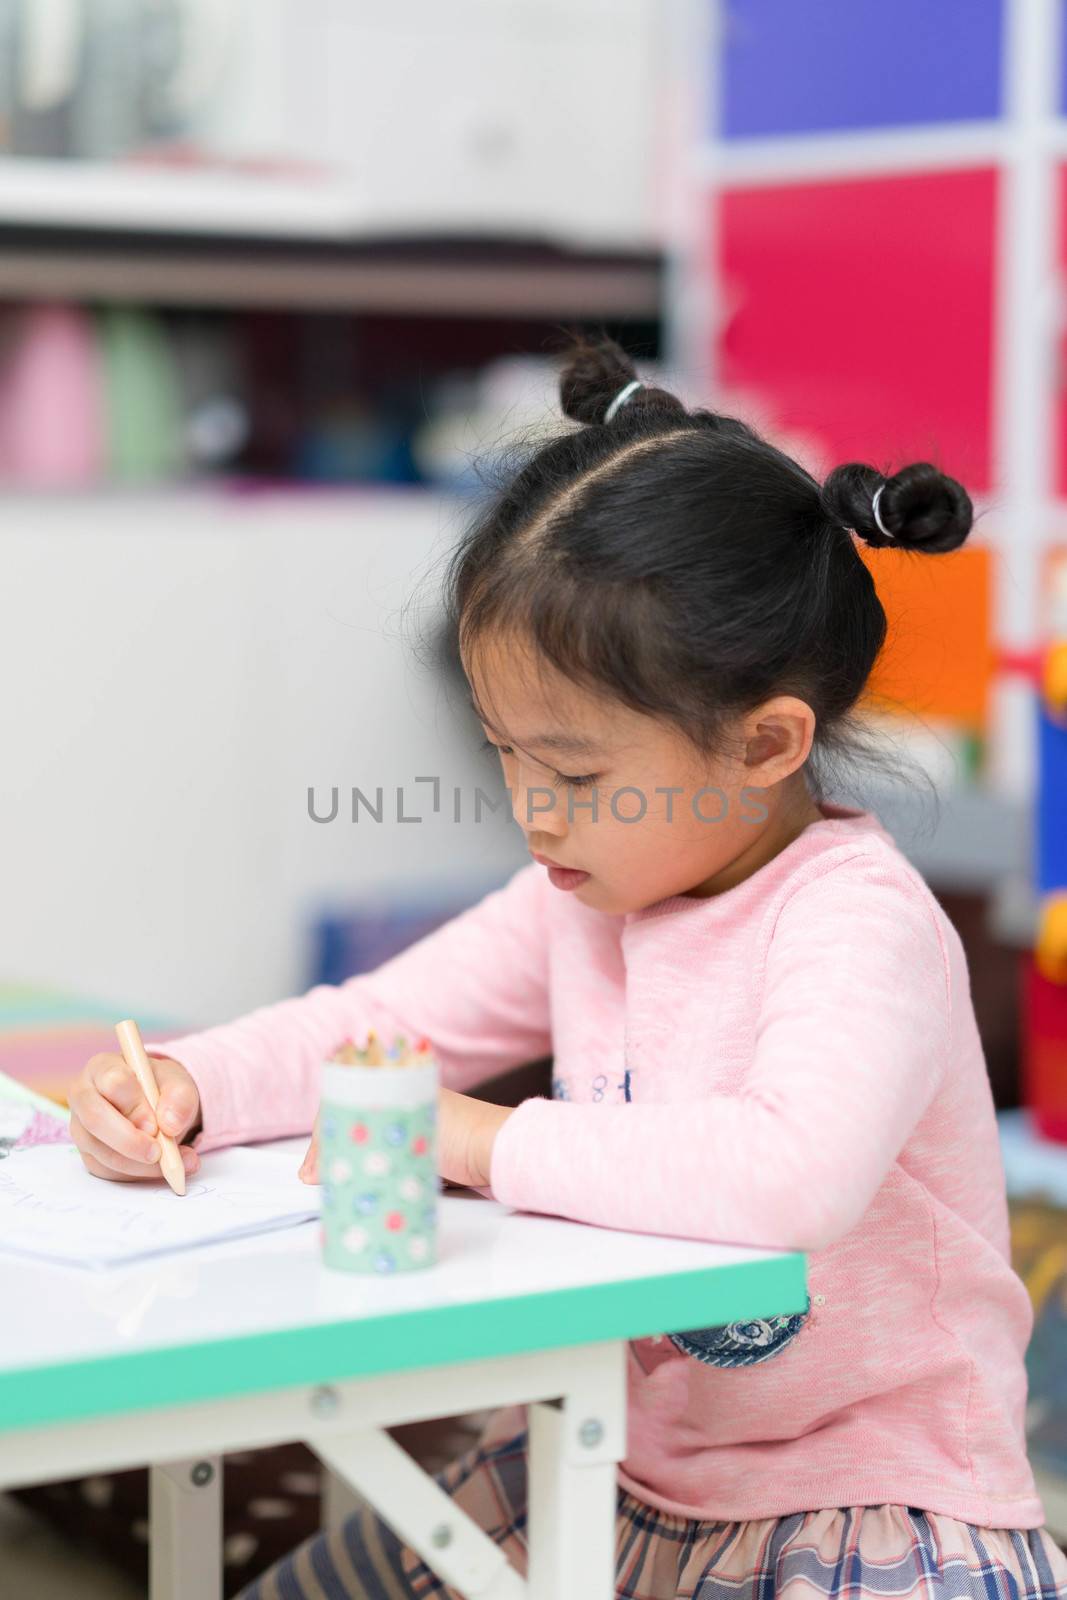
(938, 659)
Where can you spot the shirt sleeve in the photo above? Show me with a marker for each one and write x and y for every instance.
(477, 987)
(851, 1046)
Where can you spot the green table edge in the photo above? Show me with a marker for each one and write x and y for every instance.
(140, 1380)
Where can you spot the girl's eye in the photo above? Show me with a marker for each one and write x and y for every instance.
(571, 781)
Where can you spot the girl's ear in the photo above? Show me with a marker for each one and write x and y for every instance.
(778, 737)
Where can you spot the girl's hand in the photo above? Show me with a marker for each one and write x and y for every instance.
(466, 1129)
(115, 1128)
(309, 1167)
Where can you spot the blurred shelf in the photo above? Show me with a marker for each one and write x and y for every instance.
(1035, 1168)
(969, 839)
(194, 496)
(472, 278)
(165, 197)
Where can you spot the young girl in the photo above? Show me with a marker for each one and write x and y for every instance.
(760, 1019)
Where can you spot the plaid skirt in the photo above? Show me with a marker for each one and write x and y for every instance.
(853, 1551)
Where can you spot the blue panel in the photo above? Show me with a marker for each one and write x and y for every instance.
(807, 66)
(344, 943)
(1051, 829)
(361, 941)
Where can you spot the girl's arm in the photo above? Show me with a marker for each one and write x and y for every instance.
(851, 1048)
(476, 987)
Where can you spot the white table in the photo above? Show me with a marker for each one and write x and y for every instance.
(177, 1361)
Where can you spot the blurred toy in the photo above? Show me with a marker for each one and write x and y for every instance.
(1054, 681)
(51, 391)
(1050, 952)
(1045, 993)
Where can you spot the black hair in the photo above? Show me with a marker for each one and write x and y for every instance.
(684, 565)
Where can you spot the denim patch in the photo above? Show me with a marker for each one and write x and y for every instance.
(741, 1344)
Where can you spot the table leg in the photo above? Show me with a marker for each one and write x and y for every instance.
(339, 1499)
(421, 1513)
(575, 1445)
(572, 1507)
(185, 1520)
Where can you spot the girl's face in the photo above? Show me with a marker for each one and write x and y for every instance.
(626, 804)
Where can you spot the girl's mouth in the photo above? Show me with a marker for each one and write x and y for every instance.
(566, 877)
(561, 877)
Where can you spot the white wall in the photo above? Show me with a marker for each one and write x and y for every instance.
(177, 671)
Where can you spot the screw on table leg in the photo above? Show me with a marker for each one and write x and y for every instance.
(325, 1402)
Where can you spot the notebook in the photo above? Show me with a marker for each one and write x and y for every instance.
(52, 1209)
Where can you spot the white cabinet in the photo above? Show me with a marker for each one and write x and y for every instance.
(342, 118)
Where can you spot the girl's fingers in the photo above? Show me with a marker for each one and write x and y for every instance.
(113, 1125)
(179, 1100)
(309, 1167)
(94, 1168)
(111, 1077)
(107, 1125)
(107, 1160)
(104, 1162)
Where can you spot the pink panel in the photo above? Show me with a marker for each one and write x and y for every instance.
(859, 315)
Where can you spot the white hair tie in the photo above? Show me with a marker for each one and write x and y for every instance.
(874, 513)
(621, 398)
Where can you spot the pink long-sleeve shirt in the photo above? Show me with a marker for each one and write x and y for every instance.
(793, 1063)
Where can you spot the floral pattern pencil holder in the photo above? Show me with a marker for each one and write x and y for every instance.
(378, 1167)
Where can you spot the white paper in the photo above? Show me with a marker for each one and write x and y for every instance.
(52, 1208)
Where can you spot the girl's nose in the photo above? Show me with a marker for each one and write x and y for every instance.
(538, 809)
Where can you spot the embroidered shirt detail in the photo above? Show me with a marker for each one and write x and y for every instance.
(741, 1344)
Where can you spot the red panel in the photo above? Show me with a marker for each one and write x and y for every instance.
(1045, 1050)
(859, 313)
(1061, 398)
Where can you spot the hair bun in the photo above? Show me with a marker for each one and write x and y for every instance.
(921, 506)
(596, 371)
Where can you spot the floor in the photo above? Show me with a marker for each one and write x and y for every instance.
(38, 1566)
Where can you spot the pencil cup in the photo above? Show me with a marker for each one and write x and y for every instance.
(378, 1167)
